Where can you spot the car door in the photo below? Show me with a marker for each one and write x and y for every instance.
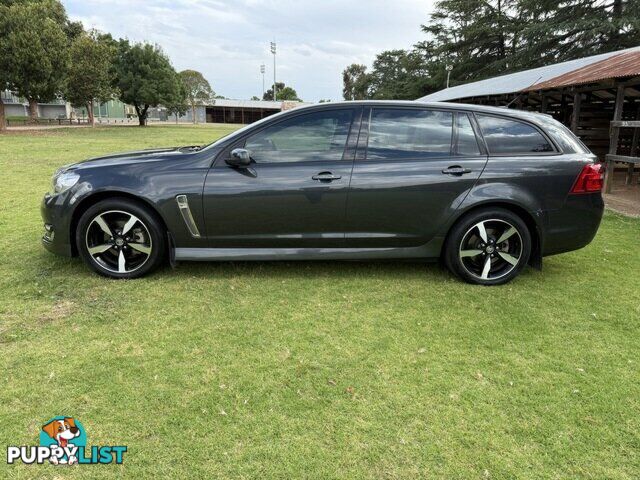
(413, 167)
(293, 194)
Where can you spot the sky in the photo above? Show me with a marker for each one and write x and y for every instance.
(228, 40)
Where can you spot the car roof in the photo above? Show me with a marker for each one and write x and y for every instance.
(436, 105)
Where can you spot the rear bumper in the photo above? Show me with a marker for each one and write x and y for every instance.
(56, 225)
(574, 225)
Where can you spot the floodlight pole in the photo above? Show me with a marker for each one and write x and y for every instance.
(262, 70)
(273, 50)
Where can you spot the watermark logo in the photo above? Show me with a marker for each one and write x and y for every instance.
(63, 441)
(63, 436)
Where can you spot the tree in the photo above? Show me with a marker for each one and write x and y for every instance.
(355, 82)
(178, 110)
(74, 29)
(35, 50)
(475, 38)
(557, 31)
(197, 89)
(283, 93)
(288, 93)
(4, 62)
(90, 75)
(398, 75)
(180, 106)
(255, 98)
(145, 78)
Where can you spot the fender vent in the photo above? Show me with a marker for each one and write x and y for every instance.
(185, 211)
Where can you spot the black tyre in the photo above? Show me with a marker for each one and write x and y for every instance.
(488, 247)
(121, 238)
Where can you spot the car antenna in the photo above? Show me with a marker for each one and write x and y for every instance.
(522, 91)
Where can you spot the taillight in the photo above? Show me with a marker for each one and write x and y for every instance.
(590, 179)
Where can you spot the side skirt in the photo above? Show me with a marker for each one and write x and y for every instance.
(263, 254)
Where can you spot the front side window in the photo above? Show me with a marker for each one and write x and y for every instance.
(396, 134)
(309, 137)
(511, 137)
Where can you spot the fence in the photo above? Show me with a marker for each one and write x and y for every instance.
(68, 121)
(631, 160)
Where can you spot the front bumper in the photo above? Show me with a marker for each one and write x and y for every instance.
(56, 217)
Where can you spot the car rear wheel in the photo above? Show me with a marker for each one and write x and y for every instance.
(488, 247)
(120, 238)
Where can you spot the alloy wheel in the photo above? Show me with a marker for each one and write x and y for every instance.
(118, 241)
(491, 249)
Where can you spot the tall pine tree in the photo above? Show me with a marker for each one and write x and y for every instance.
(555, 31)
(476, 38)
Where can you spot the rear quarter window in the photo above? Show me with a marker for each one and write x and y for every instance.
(564, 137)
(511, 137)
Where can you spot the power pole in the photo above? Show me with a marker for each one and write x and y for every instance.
(273, 50)
(262, 70)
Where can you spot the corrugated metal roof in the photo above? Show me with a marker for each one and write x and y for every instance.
(227, 102)
(519, 81)
(625, 64)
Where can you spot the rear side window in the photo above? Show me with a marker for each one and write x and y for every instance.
(511, 137)
(466, 142)
(397, 133)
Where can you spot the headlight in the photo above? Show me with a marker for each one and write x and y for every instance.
(63, 181)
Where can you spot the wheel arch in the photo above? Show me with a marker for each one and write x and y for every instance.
(90, 200)
(535, 259)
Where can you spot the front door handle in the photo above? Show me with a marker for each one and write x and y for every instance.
(455, 170)
(326, 177)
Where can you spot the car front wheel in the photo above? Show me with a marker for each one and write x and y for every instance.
(488, 247)
(119, 238)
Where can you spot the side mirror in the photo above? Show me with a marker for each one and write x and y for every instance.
(239, 158)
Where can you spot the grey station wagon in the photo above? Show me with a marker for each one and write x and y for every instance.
(486, 190)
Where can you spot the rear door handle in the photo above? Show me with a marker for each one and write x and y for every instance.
(326, 177)
(455, 170)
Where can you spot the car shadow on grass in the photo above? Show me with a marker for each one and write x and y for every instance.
(305, 268)
(429, 271)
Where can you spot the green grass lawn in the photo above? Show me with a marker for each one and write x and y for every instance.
(317, 370)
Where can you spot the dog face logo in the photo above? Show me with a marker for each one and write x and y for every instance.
(62, 430)
(63, 434)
